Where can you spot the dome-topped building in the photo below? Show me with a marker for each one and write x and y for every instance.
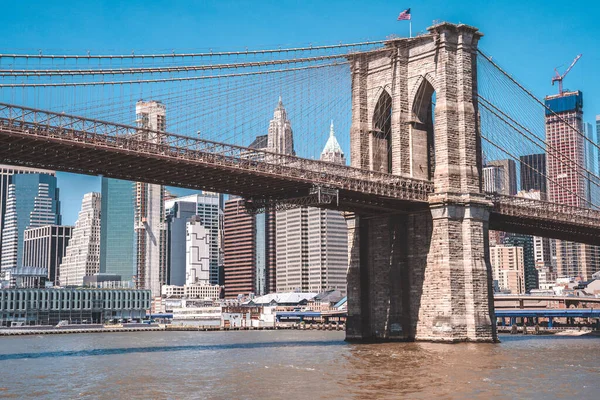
(332, 152)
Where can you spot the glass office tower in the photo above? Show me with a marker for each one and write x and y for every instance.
(117, 243)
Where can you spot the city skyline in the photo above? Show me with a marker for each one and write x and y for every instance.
(519, 49)
(324, 192)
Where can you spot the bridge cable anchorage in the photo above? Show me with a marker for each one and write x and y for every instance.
(191, 55)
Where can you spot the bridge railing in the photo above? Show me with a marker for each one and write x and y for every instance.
(532, 208)
(129, 138)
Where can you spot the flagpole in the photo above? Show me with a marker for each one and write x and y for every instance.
(410, 28)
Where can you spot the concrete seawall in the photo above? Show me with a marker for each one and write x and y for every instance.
(174, 328)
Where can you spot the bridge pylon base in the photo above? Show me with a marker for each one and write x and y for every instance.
(422, 276)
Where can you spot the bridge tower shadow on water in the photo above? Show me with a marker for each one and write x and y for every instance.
(421, 274)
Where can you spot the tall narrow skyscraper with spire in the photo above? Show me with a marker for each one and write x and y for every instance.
(280, 138)
(328, 235)
(312, 243)
(333, 151)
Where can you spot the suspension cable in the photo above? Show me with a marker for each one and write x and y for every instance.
(174, 79)
(191, 55)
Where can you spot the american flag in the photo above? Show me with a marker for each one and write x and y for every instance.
(404, 15)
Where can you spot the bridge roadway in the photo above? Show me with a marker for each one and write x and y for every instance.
(550, 313)
(45, 139)
(533, 301)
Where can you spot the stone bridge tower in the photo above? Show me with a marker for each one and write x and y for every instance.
(421, 274)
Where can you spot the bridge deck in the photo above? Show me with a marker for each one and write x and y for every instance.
(45, 139)
(68, 143)
(542, 218)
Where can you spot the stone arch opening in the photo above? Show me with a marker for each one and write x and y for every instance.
(423, 131)
(382, 134)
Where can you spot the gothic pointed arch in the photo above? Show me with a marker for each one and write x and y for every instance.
(382, 133)
(423, 132)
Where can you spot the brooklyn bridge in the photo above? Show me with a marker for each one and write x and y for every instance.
(420, 115)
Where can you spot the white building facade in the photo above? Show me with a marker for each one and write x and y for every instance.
(291, 227)
(508, 268)
(197, 250)
(82, 255)
(209, 209)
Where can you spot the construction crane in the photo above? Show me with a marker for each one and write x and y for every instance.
(559, 78)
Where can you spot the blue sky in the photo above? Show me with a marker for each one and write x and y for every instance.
(528, 38)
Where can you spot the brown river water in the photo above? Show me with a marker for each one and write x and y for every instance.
(293, 365)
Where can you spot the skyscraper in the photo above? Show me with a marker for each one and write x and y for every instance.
(149, 217)
(82, 256)
(265, 246)
(492, 179)
(327, 250)
(32, 201)
(507, 268)
(328, 236)
(312, 243)
(44, 247)
(178, 213)
(598, 140)
(6, 171)
(291, 226)
(280, 138)
(533, 173)
(249, 248)
(591, 164)
(564, 127)
(292, 250)
(542, 246)
(530, 273)
(239, 245)
(117, 244)
(265, 253)
(508, 177)
(209, 208)
(197, 250)
(332, 152)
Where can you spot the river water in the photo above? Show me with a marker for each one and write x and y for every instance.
(293, 365)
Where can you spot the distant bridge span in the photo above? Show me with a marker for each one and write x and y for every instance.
(529, 301)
